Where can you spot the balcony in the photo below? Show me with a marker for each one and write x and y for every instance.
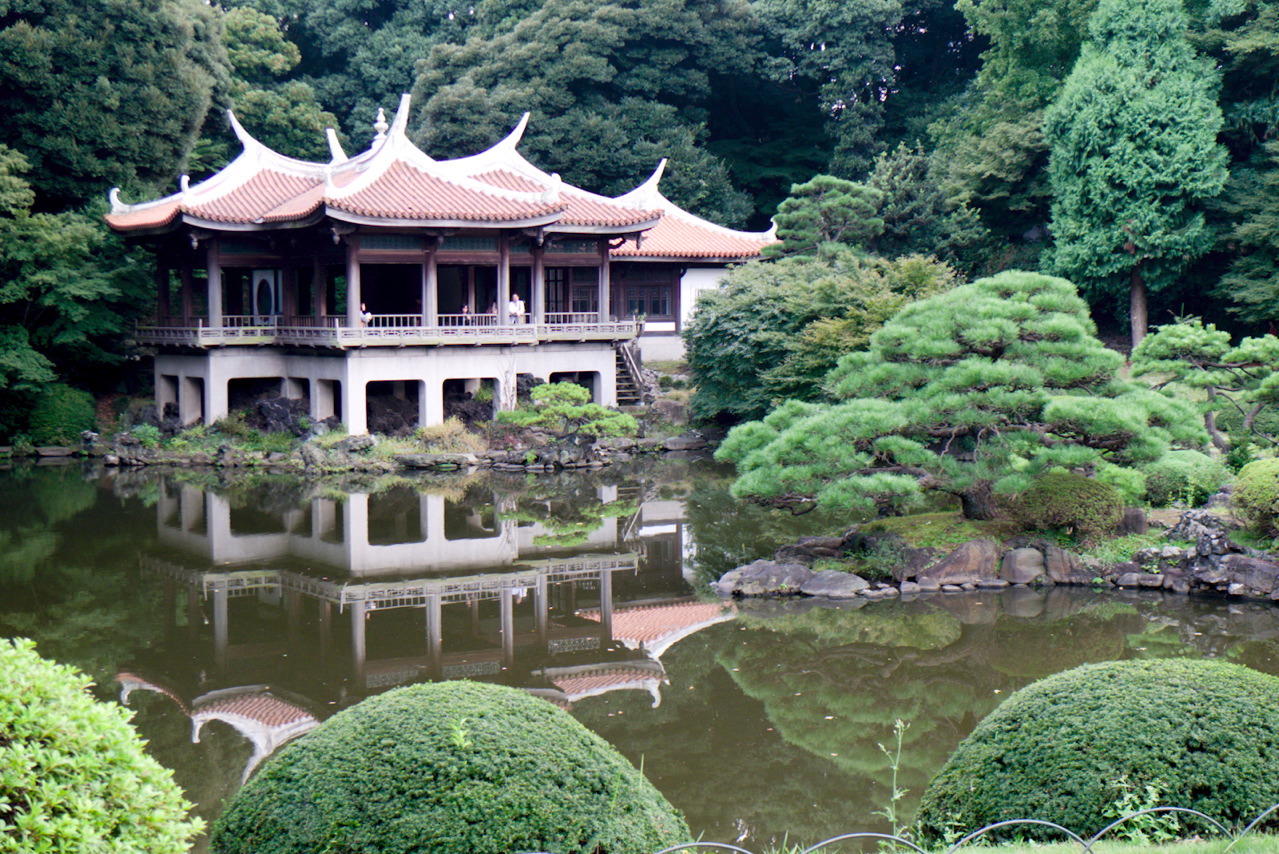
(383, 330)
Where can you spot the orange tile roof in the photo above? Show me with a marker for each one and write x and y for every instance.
(252, 200)
(681, 235)
(587, 211)
(403, 192)
(648, 624)
(265, 709)
(508, 180)
(153, 216)
(604, 679)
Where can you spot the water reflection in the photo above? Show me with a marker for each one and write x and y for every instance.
(234, 614)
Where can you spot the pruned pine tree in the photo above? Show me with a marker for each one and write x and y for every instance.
(826, 210)
(973, 393)
(1190, 354)
(1134, 154)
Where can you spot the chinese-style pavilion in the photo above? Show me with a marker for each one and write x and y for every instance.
(391, 272)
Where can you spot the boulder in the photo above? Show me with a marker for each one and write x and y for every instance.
(670, 411)
(833, 584)
(976, 560)
(1063, 567)
(684, 443)
(354, 444)
(1132, 522)
(1023, 566)
(766, 578)
(1255, 574)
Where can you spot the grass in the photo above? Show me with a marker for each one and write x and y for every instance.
(1122, 549)
(940, 530)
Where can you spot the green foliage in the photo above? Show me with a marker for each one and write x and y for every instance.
(76, 777)
(1079, 506)
(449, 437)
(1255, 496)
(450, 767)
(148, 435)
(565, 410)
(1188, 476)
(773, 331)
(971, 392)
(1203, 732)
(612, 88)
(826, 210)
(102, 94)
(1129, 483)
(1254, 239)
(1236, 383)
(1129, 176)
(60, 414)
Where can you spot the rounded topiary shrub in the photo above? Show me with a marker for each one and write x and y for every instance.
(452, 767)
(60, 414)
(1256, 495)
(74, 776)
(1063, 501)
(1187, 476)
(1204, 734)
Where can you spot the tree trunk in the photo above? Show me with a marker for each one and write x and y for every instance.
(1137, 306)
(978, 502)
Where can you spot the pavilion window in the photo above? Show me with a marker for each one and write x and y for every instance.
(557, 293)
(650, 300)
(585, 290)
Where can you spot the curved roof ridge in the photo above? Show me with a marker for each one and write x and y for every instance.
(649, 194)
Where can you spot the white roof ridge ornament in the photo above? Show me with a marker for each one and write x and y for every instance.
(380, 126)
(551, 195)
(512, 139)
(335, 148)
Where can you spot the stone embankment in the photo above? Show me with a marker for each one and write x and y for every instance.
(361, 453)
(1211, 563)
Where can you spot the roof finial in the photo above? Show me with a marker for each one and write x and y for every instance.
(380, 125)
(551, 193)
(336, 154)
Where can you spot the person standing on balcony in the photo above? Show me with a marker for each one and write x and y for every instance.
(365, 315)
(513, 308)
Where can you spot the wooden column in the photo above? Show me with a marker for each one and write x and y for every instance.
(188, 303)
(430, 290)
(214, 268)
(503, 279)
(319, 288)
(538, 296)
(606, 312)
(162, 288)
(289, 291)
(353, 282)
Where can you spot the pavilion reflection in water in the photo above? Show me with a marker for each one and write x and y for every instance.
(278, 617)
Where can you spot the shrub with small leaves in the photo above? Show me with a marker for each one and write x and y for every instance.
(1256, 495)
(565, 410)
(450, 768)
(60, 414)
(1070, 503)
(148, 435)
(1188, 476)
(1204, 734)
(74, 776)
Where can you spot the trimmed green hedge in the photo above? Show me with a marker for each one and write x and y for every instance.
(1064, 501)
(73, 773)
(1256, 495)
(1204, 733)
(1188, 476)
(451, 767)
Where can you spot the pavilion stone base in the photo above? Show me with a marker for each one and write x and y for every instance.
(337, 382)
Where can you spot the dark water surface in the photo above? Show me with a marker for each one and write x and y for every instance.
(235, 613)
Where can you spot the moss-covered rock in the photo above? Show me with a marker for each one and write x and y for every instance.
(1204, 734)
(452, 767)
(74, 775)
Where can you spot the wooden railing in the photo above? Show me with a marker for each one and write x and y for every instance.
(381, 330)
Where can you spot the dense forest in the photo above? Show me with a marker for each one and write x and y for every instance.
(1123, 144)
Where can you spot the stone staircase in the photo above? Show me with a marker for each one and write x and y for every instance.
(630, 392)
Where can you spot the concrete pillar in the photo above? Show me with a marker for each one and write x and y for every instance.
(214, 268)
(430, 291)
(606, 311)
(503, 279)
(293, 388)
(166, 391)
(353, 296)
(430, 403)
(216, 403)
(190, 400)
(325, 628)
(355, 409)
(538, 296)
(504, 394)
(322, 399)
(541, 612)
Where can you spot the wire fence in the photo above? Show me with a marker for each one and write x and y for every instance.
(888, 842)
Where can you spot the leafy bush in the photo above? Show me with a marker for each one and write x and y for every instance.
(1204, 733)
(565, 410)
(148, 435)
(75, 777)
(1129, 483)
(1070, 503)
(1256, 495)
(451, 767)
(1183, 476)
(60, 414)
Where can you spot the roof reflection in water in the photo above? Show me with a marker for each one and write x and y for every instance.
(278, 617)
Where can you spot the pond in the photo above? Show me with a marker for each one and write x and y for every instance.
(235, 613)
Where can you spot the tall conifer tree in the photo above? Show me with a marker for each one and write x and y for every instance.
(1133, 148)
